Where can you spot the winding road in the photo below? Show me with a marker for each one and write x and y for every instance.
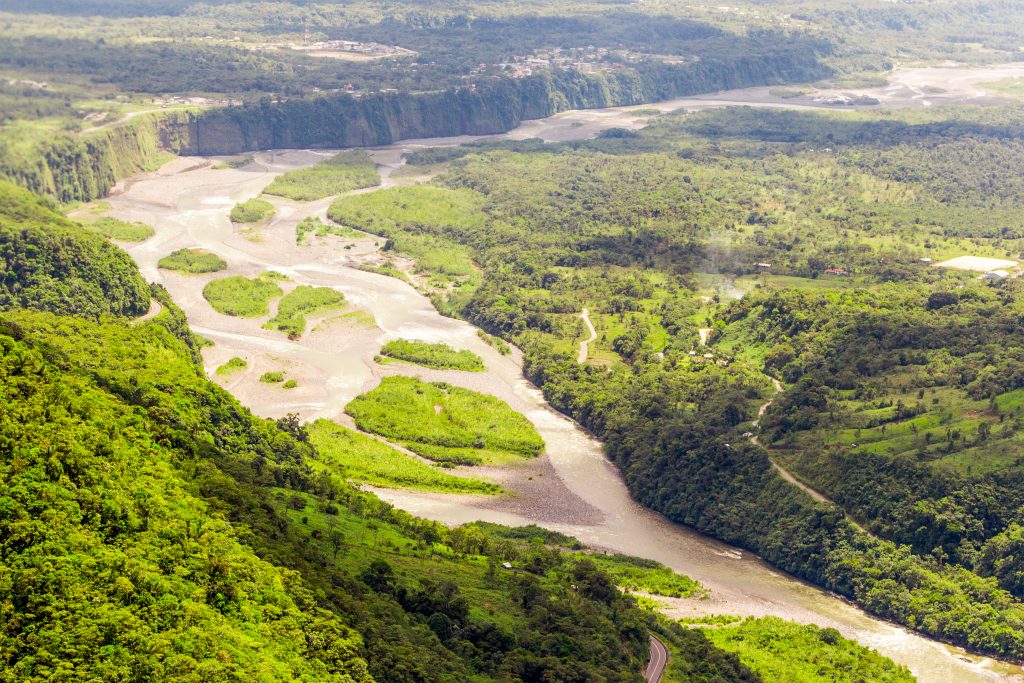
(585, 344)
(659, 660)
(783, 472)
(155, 308)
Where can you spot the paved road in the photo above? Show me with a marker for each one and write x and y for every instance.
(659, 660)
(154, 310)
(584, 345)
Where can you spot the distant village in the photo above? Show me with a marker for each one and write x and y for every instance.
(196, 101)
(373, 50)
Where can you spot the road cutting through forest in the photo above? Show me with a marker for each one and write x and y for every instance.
(585, 344)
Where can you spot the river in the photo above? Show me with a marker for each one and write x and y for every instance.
(572, 488)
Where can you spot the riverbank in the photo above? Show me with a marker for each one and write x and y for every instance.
(573, 488)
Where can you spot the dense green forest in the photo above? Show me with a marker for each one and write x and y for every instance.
(53, 264)
(207, 531)
(154, 529)
(900, 382)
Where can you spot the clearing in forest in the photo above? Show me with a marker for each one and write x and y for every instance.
(980, 264)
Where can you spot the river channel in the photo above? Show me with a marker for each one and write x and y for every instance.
(572, 488)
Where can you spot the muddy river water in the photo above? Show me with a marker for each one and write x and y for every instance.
(572, 488)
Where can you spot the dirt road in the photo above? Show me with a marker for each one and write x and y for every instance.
(585, 344)
(783, 472)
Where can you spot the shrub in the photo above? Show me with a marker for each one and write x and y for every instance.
(234, 365)
(122, 231)
(240, 296)
(252, 211)
(192, 261)
(300, 302)
(432, 355)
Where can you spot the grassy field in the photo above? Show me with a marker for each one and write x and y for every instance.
(784, 652)
(1011, 87)
(429, 355)
(232, 367)
(648, 576)
(951, 431)
(300, 302)
(192, 261)
(315, 226)
(241, 296)
(122, 231)
(252, 211)
(347, 171)
(353, 319)
(362, 458)
(408, 216)
(445, 423)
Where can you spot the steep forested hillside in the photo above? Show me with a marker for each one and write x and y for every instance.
(139, 499)
(49, 263)
(116, 567)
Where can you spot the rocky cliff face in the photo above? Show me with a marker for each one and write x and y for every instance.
(84, 168)
(71, 168)
(495, 107)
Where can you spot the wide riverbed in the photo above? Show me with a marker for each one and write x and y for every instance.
(572, 488)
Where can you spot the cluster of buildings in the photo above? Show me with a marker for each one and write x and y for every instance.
(195, 101)
(354, 47)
